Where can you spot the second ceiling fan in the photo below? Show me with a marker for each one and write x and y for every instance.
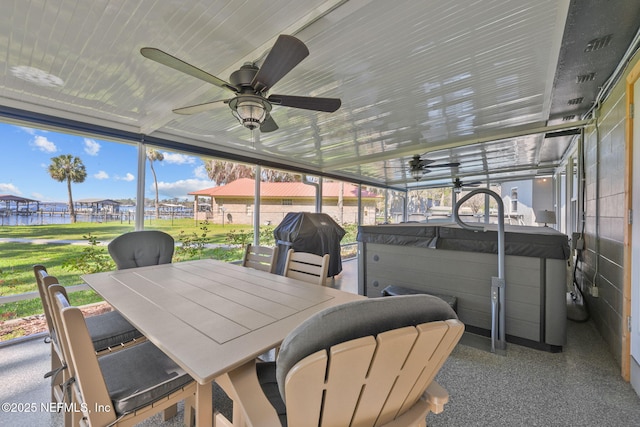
(250, 104)
(418, 166)
(459, 185)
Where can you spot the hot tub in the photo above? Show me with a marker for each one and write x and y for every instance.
(446, 259)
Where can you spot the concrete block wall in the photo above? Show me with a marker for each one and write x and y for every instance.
(605, 219)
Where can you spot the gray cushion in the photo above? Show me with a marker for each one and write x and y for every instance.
(355, 320)
(140, 375)
(266, 372)
(141, 248)
(109, 330)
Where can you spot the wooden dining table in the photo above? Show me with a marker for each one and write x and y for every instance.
(211, 316)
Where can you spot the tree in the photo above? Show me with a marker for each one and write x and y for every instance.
(70, 169)
(476, 203)
(223, 172)
(154, 155)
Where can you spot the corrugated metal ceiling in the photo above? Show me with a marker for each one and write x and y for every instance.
(461, 81)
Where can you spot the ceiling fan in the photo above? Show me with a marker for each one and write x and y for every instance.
(458, 184)
(250, 84)
(418, 167)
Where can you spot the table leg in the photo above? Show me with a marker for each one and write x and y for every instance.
(238, 417)
(204, 405)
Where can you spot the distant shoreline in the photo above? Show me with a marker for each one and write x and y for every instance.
(53, 217)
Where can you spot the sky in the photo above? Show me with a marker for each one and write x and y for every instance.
(111, 168)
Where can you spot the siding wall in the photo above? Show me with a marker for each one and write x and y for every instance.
(272, 211)
(605, 218)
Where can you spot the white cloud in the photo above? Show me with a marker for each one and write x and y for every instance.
(178, 159)
(200, 172)
(128, 177)
(181, 188)
(91, 147)
(9, 189)
(43, 144)
(101, 175)
(30, 131)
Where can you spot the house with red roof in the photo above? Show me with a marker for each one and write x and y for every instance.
(234, 202)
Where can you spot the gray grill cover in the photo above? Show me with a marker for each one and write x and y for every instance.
(315, 233)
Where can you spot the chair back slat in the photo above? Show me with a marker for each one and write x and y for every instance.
(93, 390)
(421, 364)
(260, 258)
(369, 381)
(307, 378)
(53, 289)
(439, 343)
(347, 372)
(40, 271)
(391, 355)
(307, 267)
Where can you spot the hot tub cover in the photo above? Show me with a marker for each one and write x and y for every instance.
(537, 242)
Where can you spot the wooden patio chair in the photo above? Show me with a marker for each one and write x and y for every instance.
(365, 363)
(141, 249)
(118, 389)
(109, 331)
(260, 258)
(307, 267)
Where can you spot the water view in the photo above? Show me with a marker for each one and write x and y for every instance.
(58, 213)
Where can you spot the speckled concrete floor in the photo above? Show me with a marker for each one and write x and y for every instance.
(581, 386)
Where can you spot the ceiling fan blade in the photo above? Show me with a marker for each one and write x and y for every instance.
(286, 53)
(443, 165)
(328, 105)
(457, 183)
(178, 64)
(199, 108)
(269, 125)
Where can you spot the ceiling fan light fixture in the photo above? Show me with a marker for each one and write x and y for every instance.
(416, 174)
(249, 112)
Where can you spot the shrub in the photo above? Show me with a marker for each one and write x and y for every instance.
(93, 259)
(192, 244)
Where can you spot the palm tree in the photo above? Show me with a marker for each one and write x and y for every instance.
(71, 169)
(154, 155)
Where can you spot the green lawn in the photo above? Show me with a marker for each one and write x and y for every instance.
(109, 230)
(18, 258)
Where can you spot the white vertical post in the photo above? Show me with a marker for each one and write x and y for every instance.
(256, 207)
(142, 162)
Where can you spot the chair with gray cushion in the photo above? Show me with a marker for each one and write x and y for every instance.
(368, 363)
(129, 385)
(141, 249)
(109, 331)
